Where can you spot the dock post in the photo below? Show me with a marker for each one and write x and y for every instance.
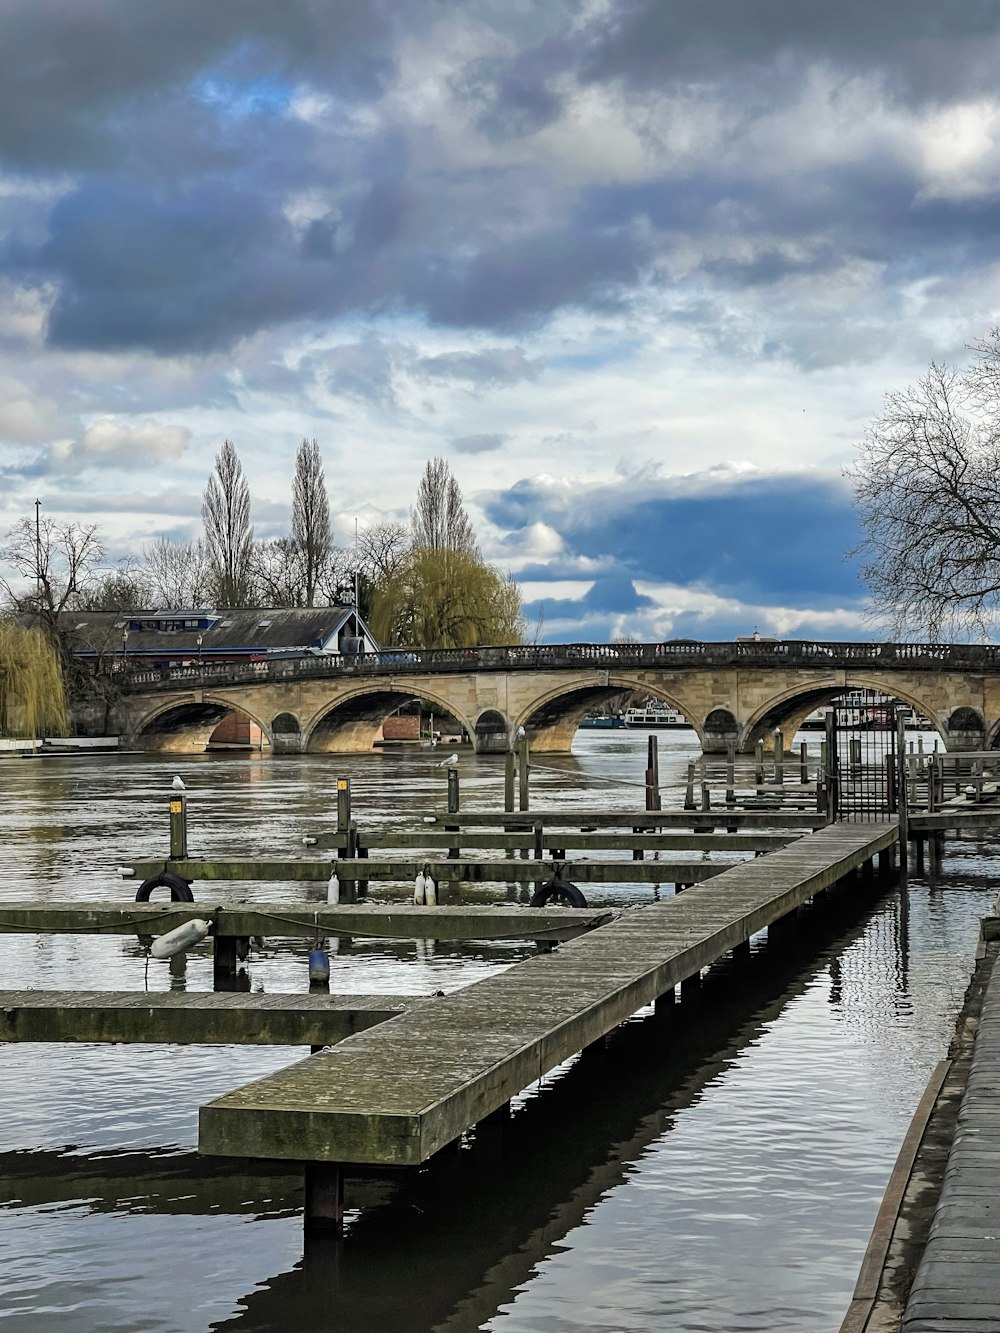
(224, 961)
(803, 762)
(690, 987)
(323, 1213)
(741, 952)
(689, 789)
(510, 762)
(343, 804)
(454, 805)
(178, 827)
(652, 774)
(758, 763)
(523, 769)
(664, 1005)
(349, 887)
(779, 756)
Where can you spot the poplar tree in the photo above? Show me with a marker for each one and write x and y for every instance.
(310, 519)
(225, 512)
(438, 519)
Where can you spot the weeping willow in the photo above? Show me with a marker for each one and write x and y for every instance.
(32, 700)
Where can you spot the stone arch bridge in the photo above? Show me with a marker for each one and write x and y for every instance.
(729, 692)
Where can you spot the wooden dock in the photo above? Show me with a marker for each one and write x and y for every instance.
(397, 1093)
(186, 1018)
(304, 920)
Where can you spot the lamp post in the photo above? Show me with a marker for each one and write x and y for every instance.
(125, 648)
(199, 641)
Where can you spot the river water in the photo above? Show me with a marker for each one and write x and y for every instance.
(721, 1173)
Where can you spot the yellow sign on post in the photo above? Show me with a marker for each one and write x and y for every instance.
(175, 807)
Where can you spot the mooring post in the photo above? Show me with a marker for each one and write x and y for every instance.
(323, 1213)
(349, 887)
(689, 789)
(454, 804)
(730, 772)
(758, 764)
(652, 774)
(779, 755)
(803, 762)
(523, 770)
(343, 804)
(178, 827)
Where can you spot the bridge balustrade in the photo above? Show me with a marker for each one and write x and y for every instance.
(684, 654)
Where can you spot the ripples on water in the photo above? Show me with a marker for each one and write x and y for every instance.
(721, 1174)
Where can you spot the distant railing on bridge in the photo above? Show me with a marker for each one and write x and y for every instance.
(669, 656)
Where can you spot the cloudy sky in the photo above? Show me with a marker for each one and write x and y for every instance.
(640, 270)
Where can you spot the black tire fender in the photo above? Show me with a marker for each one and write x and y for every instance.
(560, 889)
(180, 888)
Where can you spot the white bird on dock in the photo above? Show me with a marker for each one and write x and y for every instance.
(178, 785)
(450, 762)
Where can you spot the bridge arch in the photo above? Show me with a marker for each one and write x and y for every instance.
(789, 708)
(552, 718)
(286, 734)
(349, 723)
(185, 725)
(492, 734)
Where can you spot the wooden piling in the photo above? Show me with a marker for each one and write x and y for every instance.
(689, 789)
(779, 756)
(509, 773)
(343, 804)
(523, 771)
(803, 762)
(652, 774)
(323, 1212)
(178, 827)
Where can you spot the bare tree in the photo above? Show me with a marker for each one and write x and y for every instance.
(179, 573)
(927, 491)
(55, 564)
(438, 520)
(310, 518)
(277, 573)
(127, 588)
(228, 531)
(381, 550)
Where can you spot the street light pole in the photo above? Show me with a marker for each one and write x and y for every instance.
(125, 648)
(199, 641)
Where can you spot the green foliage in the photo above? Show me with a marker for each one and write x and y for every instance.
(446, 599)
(32, 699)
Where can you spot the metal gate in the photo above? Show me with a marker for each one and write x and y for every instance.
(861, 760)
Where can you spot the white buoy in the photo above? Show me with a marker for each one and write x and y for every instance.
(430, 892)
(333, 889)
(419, 888)
(180, 938)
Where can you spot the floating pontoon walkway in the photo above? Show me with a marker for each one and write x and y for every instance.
(397, 1093)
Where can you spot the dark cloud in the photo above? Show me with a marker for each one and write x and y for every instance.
(176, 231)
(777, 539)
(478, 444)
(74, 77)
(926, 49)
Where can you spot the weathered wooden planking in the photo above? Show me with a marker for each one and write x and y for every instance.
(471, 872)
(381, 920)
(640, 819)
(591, 842)
(397, 1094)
(191, 1018)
